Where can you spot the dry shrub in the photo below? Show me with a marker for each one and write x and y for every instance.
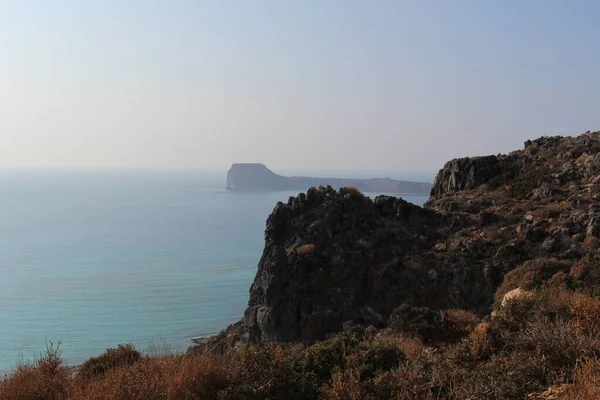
(198, 378)
(344, 386)
(166, 377)
(511, 376)
(306, 249)
(554, 302)
(146, 379)
(557, 346)
(460, 323)
(478, 344)
(587, 382)
(586, 313)
(46, 379)
(582, 267)
(411, 347)
(546, 328)
(529, 275)
(586, 274)
(260, 372)
(124, 354)
(411, 380)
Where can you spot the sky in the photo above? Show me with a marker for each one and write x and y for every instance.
(296, 85)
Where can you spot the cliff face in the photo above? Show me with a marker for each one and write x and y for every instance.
(333, 257)
(257, 177)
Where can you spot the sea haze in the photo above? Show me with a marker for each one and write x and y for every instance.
(95, 259)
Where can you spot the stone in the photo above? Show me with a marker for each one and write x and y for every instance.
(517, 293)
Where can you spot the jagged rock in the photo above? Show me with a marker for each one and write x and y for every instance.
(546, 191)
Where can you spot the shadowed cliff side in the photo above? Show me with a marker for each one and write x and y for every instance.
(257, 177)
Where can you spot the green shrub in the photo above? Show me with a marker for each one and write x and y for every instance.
(371, 357)
(319, 361)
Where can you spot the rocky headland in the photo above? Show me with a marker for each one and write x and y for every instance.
(335, 256)
(252, 177)
(497, 277)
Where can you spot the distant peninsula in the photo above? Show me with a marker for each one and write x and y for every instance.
(253, 177)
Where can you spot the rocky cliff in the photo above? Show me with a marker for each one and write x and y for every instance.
(257, 177)
(337, 257)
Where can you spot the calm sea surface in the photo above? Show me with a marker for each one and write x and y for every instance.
(95, 259)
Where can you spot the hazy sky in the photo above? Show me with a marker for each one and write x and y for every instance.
(323, 84)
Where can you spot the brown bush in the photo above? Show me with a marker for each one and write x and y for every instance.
(557, 346)
(587, 382)
(261, 372)
(46, 379)
(586, 274)
(411, 380)
(411, 347)
(147, 379)
(198, 378)
(344, 386)
(511, 376)
(459, 323)
(529, 275)
(124, 354)
(586, 313)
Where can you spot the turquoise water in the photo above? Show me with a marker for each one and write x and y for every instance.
(96, 259)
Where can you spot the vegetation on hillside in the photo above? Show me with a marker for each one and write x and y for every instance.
(545, 341)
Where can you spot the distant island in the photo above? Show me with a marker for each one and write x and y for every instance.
(252, 177)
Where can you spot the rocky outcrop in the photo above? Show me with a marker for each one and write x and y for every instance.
(334, 257)
(328, 259)
(465, 173)
(257, 177)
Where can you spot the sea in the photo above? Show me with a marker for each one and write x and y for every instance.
(93, 259)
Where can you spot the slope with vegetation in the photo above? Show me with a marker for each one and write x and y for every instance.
(491, 291)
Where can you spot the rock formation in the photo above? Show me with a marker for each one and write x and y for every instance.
(257, 177)
(337, 257)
